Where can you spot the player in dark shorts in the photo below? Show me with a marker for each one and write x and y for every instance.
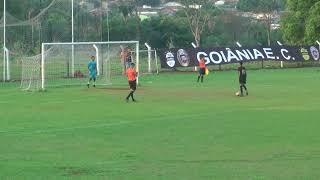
(128, 59)
(202, 68)
(132, 76)
(123, 57)
(242, 79)
(92, 67)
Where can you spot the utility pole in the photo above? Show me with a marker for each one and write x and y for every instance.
(72, 38)
(4, 40)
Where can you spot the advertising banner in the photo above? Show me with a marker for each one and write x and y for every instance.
(179, 57)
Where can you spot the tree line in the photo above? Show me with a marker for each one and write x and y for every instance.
(205, 26)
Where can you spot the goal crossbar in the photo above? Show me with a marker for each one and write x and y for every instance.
(89, 43)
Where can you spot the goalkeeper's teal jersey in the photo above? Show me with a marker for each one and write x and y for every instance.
(92, 66)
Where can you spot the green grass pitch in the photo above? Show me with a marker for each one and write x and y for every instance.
(179, 129)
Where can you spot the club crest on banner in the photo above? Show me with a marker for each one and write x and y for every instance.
(315, 53)
(305, 54)
(183, 57)
(170, 59)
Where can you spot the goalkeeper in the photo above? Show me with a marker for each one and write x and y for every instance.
(92, 67)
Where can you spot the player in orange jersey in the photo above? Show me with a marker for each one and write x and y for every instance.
(202, 68)
(132, 79)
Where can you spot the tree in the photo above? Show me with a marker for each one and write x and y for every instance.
(301, 24)
(231, 28)
(57, 25)
(130, 7)
(247, 5)
(126, 9)
(174, 30)
(312, 24)
(266, 7)
(120, 30)
(148, 2)
(198, 13)
(293, 27)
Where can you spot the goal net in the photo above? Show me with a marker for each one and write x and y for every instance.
(30, 72)
(66, 64)
(148, 62)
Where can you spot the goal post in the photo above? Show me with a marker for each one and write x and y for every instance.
(148, 62)
(65, 64)
(6, 65)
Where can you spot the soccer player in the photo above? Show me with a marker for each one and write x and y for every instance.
(123, 57)
(92, 67)
(242, 79)
(202, 68)
(128, 60)
(132, 76)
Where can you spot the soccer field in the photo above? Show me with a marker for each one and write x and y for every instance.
(178, 129)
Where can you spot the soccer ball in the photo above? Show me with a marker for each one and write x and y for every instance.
(237, 93)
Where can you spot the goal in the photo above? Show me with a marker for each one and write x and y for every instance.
(65, 64)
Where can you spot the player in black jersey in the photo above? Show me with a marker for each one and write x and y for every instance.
(242, 79)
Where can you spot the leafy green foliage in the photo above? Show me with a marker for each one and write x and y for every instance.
(220, 28)
(198, 14)
(293, 28)
(230, 28)
(148, 2)
(119, 29)
(266, 7)
(260, 6)
(301, 23)
(21, 9)
(312, 24)
(247, 5)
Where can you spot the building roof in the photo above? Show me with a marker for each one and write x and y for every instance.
(173, 4)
